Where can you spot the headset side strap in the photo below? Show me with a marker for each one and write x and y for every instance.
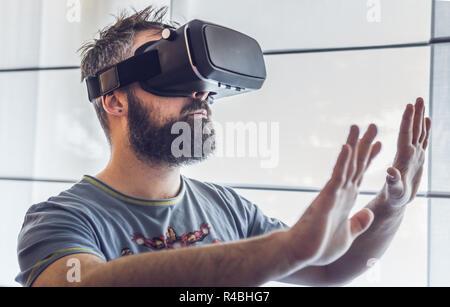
(137, 68)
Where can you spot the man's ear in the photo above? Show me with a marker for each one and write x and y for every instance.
(113, 104)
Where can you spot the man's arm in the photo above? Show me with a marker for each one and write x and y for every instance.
(389, 206)
(243, 263)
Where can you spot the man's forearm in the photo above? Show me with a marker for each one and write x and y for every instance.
(243, 263)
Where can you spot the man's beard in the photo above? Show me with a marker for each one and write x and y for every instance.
(152, 143)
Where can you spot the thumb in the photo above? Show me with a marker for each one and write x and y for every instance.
(361, 221)
(394, 183)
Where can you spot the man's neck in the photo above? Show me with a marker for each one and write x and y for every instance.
(132, 177)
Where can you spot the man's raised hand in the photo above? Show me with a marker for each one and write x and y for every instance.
(325, 232)
(403, 177)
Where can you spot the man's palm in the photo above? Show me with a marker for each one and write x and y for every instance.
(403, 179)
(324, 233)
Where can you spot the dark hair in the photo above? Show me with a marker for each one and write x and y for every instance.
(115, 44)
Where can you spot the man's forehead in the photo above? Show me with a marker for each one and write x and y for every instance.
(145, 36)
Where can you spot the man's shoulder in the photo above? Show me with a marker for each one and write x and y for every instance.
(73, 199)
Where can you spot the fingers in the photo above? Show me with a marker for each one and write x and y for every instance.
(360, 222)
(393, 175)
(427, 132)
(423, 133)
(364, 151)
(374, 151)
(360, 155)
(419, 110)
(406, 127)
(393, 180)
(352, 141)
(376, 148)
(413, 129)
(338, 177)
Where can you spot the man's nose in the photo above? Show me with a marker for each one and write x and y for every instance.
(200, 95)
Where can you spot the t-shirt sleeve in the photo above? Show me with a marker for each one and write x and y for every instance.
(259, 223)
(51, 231)
(251, 217)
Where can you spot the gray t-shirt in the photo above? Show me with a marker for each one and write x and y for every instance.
(91, 217)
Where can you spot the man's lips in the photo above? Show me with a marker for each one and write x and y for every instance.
(202, 113)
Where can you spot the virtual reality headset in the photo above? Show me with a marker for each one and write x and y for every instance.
(197, 57)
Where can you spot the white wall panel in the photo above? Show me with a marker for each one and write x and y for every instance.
(306, 24)
(18, 105)
(20, 33)
(49, 32)
(69, 139)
